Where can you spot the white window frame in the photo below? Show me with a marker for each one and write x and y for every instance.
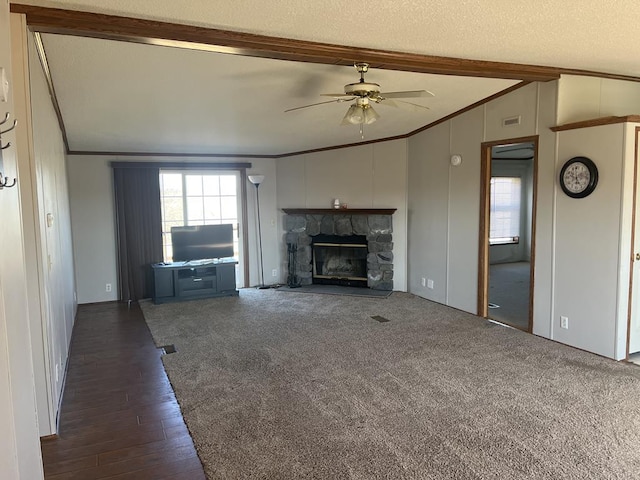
(505, 236)
(238, 223)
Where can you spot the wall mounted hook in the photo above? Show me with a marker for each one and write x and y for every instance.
(15, 122)
(2, 147)
(5, 183)
(6, 117)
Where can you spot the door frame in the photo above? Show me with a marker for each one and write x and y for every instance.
(633, 239)
(485, 206)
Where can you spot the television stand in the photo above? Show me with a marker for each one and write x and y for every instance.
(197, 279)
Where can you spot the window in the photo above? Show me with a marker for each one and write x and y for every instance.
(197, 199)
(504, 226)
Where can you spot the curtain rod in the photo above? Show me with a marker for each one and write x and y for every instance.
(182, 165)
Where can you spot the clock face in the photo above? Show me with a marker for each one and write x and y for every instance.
(578, 177)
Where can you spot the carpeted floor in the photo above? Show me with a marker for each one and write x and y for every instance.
(274, 385)
(336, 290)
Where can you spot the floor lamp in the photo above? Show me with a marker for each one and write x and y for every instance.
(257, 180)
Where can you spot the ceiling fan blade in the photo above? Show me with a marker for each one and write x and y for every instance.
(339, 100)
(384, 101)
(407, 94)
(409, 105)
(338, 95)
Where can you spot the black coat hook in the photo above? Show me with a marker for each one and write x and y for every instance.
(2, 132)
(5, 183)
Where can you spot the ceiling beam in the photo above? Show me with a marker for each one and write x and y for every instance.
(79, 23)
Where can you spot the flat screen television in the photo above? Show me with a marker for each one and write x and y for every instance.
(202, 242)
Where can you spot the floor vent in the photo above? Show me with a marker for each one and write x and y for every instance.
(167, 349)
(380, 319)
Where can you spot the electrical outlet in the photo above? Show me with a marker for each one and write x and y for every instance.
(430, 284)
(564, 322)
(423, 281)
(274, 272)
(108, 287)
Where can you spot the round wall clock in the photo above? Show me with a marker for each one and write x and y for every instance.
(579, 177)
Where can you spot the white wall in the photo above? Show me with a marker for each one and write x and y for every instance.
(588, 241)
(444, 200)
(268, 223)
(368, 176)
(20, 455)
(93, 228)
(428, 190)
(50, 273)
(56, 246)
(463, 196)
(93, 221)
(585, 98)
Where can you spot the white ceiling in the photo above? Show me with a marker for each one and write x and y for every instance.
(118, 96)
(124, 97)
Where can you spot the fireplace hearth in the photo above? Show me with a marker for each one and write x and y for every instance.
(341, 247)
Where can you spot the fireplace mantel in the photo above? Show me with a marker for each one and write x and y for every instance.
(339, 211)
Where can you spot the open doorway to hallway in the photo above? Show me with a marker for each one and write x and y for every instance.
(507, 232)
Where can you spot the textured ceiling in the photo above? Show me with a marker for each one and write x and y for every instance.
(118, 96)
(584, 34)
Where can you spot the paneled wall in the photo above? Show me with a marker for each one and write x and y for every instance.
(593, 244)
(444, 201)
(369, 176)
(585, 98)
(47, 228)
(20, 455)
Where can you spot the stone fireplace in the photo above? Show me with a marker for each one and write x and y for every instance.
(351, 247)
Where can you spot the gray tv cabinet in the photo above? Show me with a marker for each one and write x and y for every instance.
(188, 280)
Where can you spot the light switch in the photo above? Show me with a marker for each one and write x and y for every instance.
(49, 220)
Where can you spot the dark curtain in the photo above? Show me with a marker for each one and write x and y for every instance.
(139, 229)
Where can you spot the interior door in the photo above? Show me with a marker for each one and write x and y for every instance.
(634, 317)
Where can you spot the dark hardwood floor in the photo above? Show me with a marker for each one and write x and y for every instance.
(119, 416)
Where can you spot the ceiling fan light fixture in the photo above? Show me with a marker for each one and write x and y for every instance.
(370, 115)
(355, 115)
(361, 114)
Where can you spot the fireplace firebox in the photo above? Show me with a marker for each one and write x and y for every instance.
(340, 260)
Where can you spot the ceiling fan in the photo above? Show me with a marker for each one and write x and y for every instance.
(365, 93)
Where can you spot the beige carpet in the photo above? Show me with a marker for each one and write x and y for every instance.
(282, 386)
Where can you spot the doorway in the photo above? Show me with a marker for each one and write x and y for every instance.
(507, 231)
(633, 331)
